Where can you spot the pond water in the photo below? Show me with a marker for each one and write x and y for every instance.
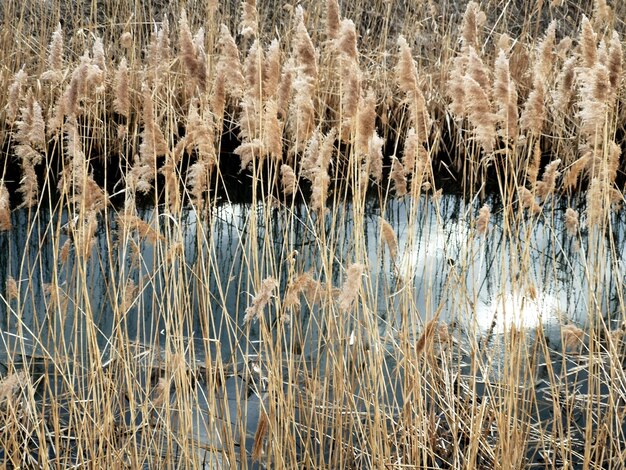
(540, 276)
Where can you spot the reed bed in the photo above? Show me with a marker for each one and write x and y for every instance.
(128, 128)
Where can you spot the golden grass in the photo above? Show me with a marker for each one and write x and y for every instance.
(321, 108)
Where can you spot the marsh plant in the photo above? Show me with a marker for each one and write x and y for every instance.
(128, 129)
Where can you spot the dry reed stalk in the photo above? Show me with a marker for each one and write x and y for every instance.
(288, 180)
(248, 25)
(5, 208)
(389, 238)
(505, 97)
(351, 286)
(482, 223)
(260, 300)
(571, 221)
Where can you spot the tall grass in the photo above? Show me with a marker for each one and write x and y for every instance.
(124, 127)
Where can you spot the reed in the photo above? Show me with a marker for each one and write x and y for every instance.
(129, 132)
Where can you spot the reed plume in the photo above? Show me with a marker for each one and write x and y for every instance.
(12, 291)
(126, 40)
(389, 237)
(375, 157)
(54, 73)
(572, 337)
(564, 93)
(121, 102)
(615, 63)
(288, 179)
(15, 94)
(571, 221)
(398, 176)
(248, 26)
(229, 64)
(588, 44)
(351, 286)
(505, 97)
(482, 223)
(546, 55)
(192, 52)
(332, 19)
(271, 70)
(260, 300)
(5, 208)
(527, 200)
(260, 435)
(365, 122)
(570, 179)
(406, 77)
(303, 50)
(319, 190)
(273, 131)
(480, 114)
(595, 202)
(11, 385)
(473, 20)
(534, 112)
(546, 186)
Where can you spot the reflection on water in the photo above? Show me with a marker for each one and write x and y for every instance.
(540, 275)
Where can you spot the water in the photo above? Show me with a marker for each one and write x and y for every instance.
(540, 277)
